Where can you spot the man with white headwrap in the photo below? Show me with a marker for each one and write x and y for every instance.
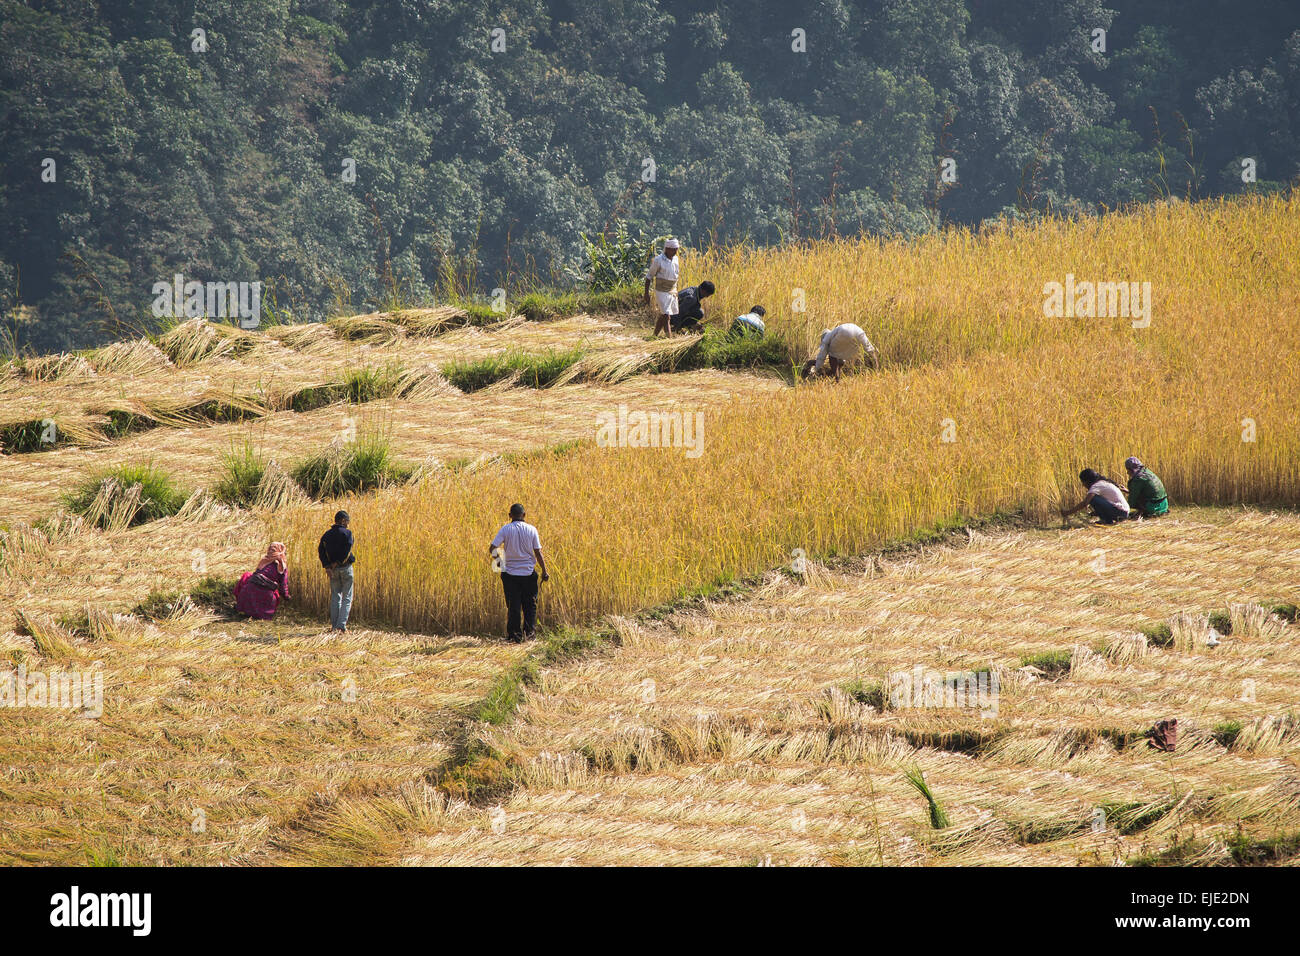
(841, 346)
(663, 272)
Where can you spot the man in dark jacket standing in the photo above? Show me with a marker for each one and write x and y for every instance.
(335, 551)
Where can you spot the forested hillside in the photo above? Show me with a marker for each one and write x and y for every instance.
(348, 153)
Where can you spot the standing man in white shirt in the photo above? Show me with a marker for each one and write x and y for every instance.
(663, 272)
(516, 552)
(839, 347)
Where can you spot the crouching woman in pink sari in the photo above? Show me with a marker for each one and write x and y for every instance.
(259, 592)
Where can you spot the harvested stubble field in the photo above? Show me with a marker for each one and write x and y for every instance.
(218, 740)
(740, 731)
(747, 746)
(730, 734)
(442, 424)
(237, 374)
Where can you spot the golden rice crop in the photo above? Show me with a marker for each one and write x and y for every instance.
(948, 295)
(1203, 394)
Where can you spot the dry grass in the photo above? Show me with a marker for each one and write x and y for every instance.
(714, 737)
(261, 371)
(431, 423)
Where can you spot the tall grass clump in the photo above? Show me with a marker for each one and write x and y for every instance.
(850, 467)
(126, 495)
(720, 348)
(363, 464)
(529, 369)
(242, 471)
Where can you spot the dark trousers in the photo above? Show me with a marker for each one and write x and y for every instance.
(1107, 512)
(521, 595)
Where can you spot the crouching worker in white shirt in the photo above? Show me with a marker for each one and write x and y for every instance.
(1104, 499)
(516, 552)
(841, 346)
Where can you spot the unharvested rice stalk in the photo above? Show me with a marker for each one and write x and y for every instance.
(136, 357)
(954, 293)
(866, 458)
(874, 448)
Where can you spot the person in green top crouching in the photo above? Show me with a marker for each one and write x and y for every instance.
(1146, 492)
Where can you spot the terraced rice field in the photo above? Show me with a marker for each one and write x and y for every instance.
(730, 735)
(727, 734)
(700, 703)
(442, 424)
(250, 374)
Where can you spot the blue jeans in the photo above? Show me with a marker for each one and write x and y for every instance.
(340, 596)
(1107, 512)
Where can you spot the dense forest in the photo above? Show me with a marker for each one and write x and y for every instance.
(349, 153)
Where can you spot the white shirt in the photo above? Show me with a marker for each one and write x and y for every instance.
(663, 268)
(844, 342)
(517, 540)
(1109, 492)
